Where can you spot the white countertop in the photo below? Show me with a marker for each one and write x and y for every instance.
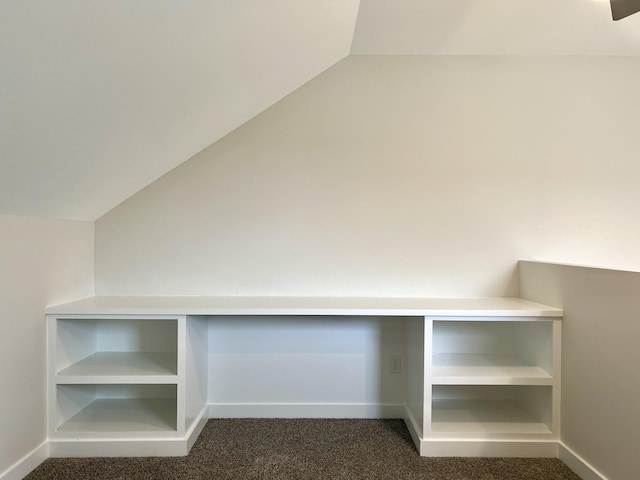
(201, 305)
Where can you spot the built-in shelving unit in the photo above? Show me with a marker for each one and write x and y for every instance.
(129, 375)
(123, 378)
(490, 379)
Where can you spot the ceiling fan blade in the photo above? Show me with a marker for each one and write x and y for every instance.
(624, 8)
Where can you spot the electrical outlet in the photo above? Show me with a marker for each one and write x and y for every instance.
(396, 364)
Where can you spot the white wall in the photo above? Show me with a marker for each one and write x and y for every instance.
(600, 358)
(94, 89)
(41, 262)
(396, 176)
(306, 367)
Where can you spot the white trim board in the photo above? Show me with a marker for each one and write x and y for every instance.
(412, 426)
(28, 463)
(305, 410)
(157, 447)
(194, 431)
(489, 448)
(577, 464)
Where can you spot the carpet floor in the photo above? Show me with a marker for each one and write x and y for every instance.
(303, 449)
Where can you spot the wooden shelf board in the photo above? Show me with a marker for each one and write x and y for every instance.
(200, 305)
(118, 380)
(484, 416)
(474, 369)
(123, 364)
(124, 415)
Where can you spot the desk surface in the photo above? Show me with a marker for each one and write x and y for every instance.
(378, 306)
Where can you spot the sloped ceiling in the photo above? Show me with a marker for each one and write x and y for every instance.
(99, 99)
(493, 27)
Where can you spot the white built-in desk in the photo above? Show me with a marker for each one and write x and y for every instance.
(127, 376)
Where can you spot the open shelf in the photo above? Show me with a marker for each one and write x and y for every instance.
(122, 367)
(491, 409)
(492, 352)
(115, 347)
(103, 408)
(484, 416)
(124, 415)
(486, 369)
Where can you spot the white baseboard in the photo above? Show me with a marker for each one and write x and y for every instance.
(305, 410)
(579, 465)
(196, 428)
(29, 462)
(489, 448)
(412, 425)
(160, 447)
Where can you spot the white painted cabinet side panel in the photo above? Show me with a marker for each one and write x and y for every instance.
(415, 371)
(196, 375)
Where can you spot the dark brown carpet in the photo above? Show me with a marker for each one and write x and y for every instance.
(303, 449)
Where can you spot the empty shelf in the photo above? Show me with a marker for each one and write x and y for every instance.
(124, 415)
(484, 416)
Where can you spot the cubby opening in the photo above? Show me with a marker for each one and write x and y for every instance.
(116, 408)
(513, 409)
(96, 347)
(498, 351)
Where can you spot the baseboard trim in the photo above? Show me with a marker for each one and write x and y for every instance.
(196, 427)
(160, 447)
(414, 430)
(489, 448)
(28, 463)
(305, 410)
(579, 465)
